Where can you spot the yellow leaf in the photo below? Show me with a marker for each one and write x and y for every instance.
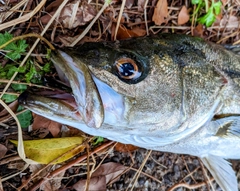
(44, 151)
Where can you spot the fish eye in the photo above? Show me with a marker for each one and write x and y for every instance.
(127, 69)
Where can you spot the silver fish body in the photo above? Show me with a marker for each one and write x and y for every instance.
(169, 93)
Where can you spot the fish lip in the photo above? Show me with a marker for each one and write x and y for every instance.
(87, 97)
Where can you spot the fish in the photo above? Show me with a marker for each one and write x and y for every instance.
(167, 92)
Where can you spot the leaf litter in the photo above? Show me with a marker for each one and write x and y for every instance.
(66, 23)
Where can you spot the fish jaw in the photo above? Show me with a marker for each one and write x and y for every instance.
(99, 99)
(88, 99)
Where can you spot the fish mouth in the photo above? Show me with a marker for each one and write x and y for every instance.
(92, 101)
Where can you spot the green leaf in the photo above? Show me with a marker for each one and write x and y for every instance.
(8, 98)
(194, 2)
(22, 69)
(207, 19)
(47, 67)
(19, 87)
(16, 48)
(25, 119)
(217, 7)
(49, 51)
(14, 55)
(20, 108)
(5, 38)
(22, 45)
(31, 73)
(97, 140)
(10, 70)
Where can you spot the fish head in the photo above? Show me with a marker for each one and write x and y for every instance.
(132, 80)
(156, 86)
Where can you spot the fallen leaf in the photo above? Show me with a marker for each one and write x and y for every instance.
(42, 122)
(53, 5)
(123, 148)
(42, 171)
(74, 14)
(111, 170)
(183, 16)
(13, 106)
(198, 30)
(96, 184)
(141, 5)
(129, 3)
(101, 177)
(3, 151)
(160, 12)
(44, 151)
(124, 33)
(83, 14)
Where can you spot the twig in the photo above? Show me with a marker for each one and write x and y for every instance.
(88, 169)
(23, 83)
(145, 174)
(26, 36)
(140, 170)
(190, 174)
(206, 177)
(23, 18)
(145, 16)
(186, 185)
(119, 19)
(91, 24)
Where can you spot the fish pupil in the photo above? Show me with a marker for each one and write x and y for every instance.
(126, 69)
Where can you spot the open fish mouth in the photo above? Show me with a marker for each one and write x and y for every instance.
(92, 102)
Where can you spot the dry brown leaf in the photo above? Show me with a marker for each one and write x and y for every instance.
(129, 3)
(232, 21)
(3, 151)
(54, 183)
(72, 14)
(42, 122)
(125, 147)
(53, 6)
(124, 33)
(83, 14)
(96, 184)
(160, 12)
(101, 177)
(183, 16)
(141, 5)
(198, 30)
(111, 170)
(137, 32)
(13, 106)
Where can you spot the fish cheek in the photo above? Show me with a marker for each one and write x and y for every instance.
(114, 82)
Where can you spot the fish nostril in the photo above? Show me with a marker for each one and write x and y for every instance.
(22, 99)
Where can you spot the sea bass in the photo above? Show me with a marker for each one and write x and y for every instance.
(167, 92)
